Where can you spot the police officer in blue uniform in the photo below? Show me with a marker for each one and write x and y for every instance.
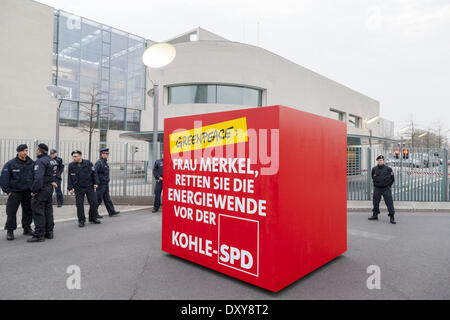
(158, 174)
(83, 180)
(58, 191)
(44, 181)
(102, 169)
(383, 178)
(15, 180)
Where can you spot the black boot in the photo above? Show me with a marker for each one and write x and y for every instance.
(36, 239)
(81, 224)
(27, 232)
(155, 209)
(114, 214)
(99, 217)
(10, 235)
(374, 217)
(49, 235)
(393, 220)
(95, 221)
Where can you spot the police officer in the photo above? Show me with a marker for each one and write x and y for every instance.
(383, 179)
(83, 180)
(58, 191)
(16, 179)
(44, 181)
(102, 169)
(158, 174)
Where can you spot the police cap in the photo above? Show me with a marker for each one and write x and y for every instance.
(22, 147)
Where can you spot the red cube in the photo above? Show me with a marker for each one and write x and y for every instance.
(258, 194)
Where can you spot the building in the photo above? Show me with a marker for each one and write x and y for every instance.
(103, 71)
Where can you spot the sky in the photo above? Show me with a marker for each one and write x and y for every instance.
(395, 51)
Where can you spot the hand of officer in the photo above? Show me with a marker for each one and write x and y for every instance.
(95, 186)
(33, 194)
(9, 194)
(72, 192)
(160, 179)
(55, 185)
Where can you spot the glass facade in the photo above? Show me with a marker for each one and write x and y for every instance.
(90, 56)
(217, 94)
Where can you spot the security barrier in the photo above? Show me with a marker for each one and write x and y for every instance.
(420, 174)
(130, 169)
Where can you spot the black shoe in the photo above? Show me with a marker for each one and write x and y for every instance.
(28, 232)
(374, 217)
(36, 239)
(10, 235)
(81, 224)
(114, 214)
(59, 205)
(99, 217)
(49, 235)
(393, 220)
(155, 210)
(96, 221)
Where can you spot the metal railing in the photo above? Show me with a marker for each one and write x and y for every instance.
(130, 170)
(421, 175)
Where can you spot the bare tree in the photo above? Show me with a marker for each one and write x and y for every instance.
(89, 112)
(441, 134)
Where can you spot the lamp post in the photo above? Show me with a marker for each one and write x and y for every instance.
(157, 56)
(58, 93)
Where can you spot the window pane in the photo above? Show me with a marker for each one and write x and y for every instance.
(133, 120)
(69, 113)
(238, 96)
(86, 113)
(354, 121)
(104, 117)
(337, 115)
(192, 94)
(116, 118)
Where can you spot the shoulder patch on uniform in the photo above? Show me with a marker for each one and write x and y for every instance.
(36, 167)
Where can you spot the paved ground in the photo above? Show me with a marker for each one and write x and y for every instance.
(121, 259)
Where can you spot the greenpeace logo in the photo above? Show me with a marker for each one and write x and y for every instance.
(206, 137)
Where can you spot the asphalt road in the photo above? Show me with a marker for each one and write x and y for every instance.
(121, 259)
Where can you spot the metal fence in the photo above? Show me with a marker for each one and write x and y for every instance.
(420, 175)
(130, 170)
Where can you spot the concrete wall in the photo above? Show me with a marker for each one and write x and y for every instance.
(285, 82)
(27, 109)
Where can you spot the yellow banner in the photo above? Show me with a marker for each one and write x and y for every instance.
(215, 135)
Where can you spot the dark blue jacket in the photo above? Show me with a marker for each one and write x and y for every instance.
(44, 173)
(383, 176)
(60, 168)
(158, 169)
(82, 175)
(17, 175)
(102, 168)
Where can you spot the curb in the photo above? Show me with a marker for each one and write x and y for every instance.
(369, 210)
